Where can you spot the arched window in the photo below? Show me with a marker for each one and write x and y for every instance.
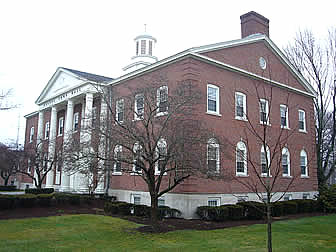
(303, 163)
(285, 162)
(213, 155)
(137, 163)
(241, 159)
(265, 161)
(117, 159)
(161, 152)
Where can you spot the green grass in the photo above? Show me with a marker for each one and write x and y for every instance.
(104, 233)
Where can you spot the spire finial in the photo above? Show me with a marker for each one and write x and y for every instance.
(145, 27)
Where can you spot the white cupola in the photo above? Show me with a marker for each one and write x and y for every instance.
(144, 53)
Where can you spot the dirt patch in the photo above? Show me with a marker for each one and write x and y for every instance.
(165, 225)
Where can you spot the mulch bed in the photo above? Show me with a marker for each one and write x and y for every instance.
(165, 225)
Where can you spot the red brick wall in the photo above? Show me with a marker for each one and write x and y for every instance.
(226, 127)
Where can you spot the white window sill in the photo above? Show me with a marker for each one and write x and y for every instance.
(136, 173)
(117, 173)
(161, 113)
(241, 118)
(265, 175)
(137, 119)
(158, 173)
(59, 135)
(265, 124)
(213, 113)
(304, 176)
(286, 128)
(287, 176)
(303, 131)
(241, 175)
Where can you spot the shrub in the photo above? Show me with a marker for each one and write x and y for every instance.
(67, 198)
(27, 200)
(290, 207)
(236, 212)
(220, 213)
(39, 190)
(124, 208)
(7, 202)
(327, 199)
(167, 212)
(253, 210)
(203, 212)
(278, 209)
(7, 188)
(44, 199)
(141, 210)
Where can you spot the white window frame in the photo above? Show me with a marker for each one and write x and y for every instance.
(268, 153)
(304, 121)
(47, 130)
(75, 126)
(238, 117)
(214, 199)
(287, 197)
(158, 101)
(161, 143)
(117, 148)
(60, 126)
(136, 147)
(138, 116)
(282, 106)
(242, 147)
(31, 134)
(303, 153)
(305, 195)
(267, 112)
(133, 196)
(143, 43)
(213, 143)
(216, 100)
(283, 152)
(161, 201)
(120, 109)
(29, 166)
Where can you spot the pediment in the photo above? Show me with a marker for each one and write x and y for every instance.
(61, 82)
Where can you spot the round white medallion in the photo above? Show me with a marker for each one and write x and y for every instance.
(262, 63)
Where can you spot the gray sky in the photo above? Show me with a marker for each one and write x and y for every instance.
(97, 36)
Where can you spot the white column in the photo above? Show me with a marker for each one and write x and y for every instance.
(102, 146)
(52, 144)
(65, 182)
(40, 128)
(82, 180)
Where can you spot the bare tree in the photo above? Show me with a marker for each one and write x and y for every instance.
(4, 100)
(317, 63)
(37, 162)
(151, 133)
(9, 162)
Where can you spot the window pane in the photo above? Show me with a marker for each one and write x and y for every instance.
(212, 99)
(143, 46)
(285, 163)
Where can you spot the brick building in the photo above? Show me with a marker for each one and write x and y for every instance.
(227, 75)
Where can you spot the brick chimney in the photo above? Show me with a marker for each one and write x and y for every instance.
(252, 23)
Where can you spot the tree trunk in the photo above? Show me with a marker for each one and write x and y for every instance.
(154, 213)
(6, 180)
(269, 226)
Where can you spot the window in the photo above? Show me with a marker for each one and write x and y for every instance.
(94, 117)
(213, 155)
(117, 159)
(29, 166)
(288, 197)
(162, 100)
(75, 121)
(285, 162)
(242, 199)
(161, 202)
(305, 196)
(137, 151)
(47, 130)
(143, 46)
(241, 159)
(213, 99)
(60, 126)
(45, 162)
(139, 107)
(264, 111)
(59, 164)
(136, 199)
(120, 111)
(162, 154)
(31, 134)
(150, 48)
(303, 163)
(213, 202)
(302, 121)
(137, 48)
(284, 116)
(240, 101)
(265, 161)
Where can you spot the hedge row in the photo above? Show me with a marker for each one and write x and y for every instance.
(39, 190)
(31, 200)
(124, 208)
(7, 188)
(256, 210)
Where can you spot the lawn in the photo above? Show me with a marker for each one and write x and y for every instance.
(104, 233)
